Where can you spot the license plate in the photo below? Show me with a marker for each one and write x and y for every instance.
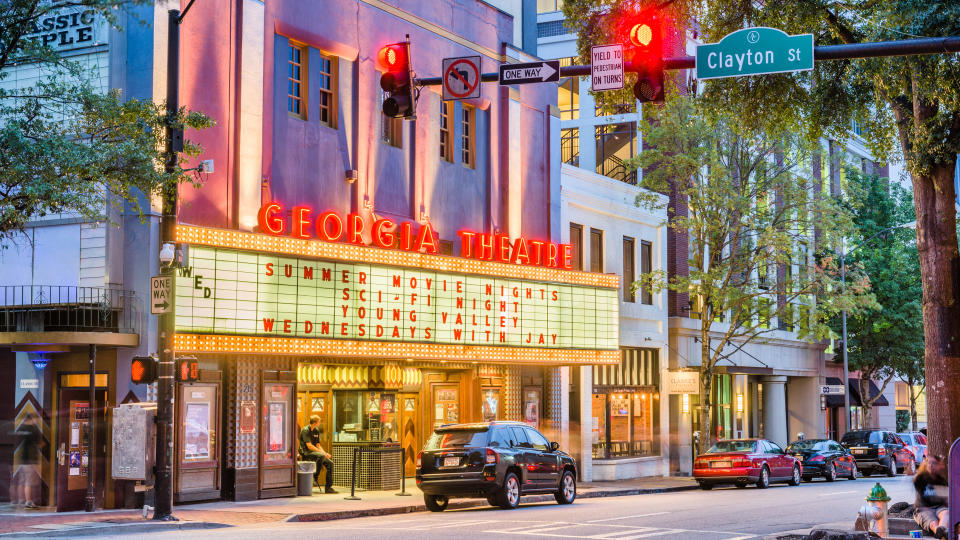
(720, 464)
(451, 462)
(859, 451)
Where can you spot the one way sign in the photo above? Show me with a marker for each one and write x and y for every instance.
(533, 72)
(161, 300)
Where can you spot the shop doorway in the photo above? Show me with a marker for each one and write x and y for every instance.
(74, 444)
(409, 409)
(278, 452)
(198, 449)
(446, 404)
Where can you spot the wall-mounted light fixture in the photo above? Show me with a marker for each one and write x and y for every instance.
(739, 402)
(685, 404)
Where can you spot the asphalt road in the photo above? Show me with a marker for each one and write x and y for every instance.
(720, 514)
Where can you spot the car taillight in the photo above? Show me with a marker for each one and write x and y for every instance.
(419, 459)
(881, 451)
(492, 457)
(816, 459)
(742, 462)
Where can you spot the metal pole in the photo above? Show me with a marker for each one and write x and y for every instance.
(846, 367)
(91, 501)
(403, 474)
(163, 488)
(353, 479)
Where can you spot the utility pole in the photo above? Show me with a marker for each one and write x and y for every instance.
(163, 485)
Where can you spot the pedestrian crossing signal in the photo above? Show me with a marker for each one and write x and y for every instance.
(188, 370)
(143, 370)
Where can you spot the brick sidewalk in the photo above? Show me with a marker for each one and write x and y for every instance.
(318, 507)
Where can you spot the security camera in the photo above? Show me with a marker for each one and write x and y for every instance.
(167, 253)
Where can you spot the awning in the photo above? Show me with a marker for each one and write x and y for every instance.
(853, 386)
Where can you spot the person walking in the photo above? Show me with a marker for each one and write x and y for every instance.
(27, 477)
(311, 450)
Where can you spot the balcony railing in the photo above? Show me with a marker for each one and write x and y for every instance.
(55, 308)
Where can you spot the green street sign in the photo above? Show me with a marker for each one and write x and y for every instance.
(755, 51)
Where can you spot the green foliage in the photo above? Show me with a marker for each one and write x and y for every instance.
(886, 340)
(66, 146)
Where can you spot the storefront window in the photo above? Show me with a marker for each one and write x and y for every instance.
(365, 415)
(625, 424)
(723, 398)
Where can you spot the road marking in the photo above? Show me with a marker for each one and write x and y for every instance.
(527, 526)
(471, 523)
(744, 537)
(648, 535)
(617, 534)
(839, 492)
(628, 517)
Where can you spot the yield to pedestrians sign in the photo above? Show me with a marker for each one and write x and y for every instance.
(606, 67)
(532, 72)
(755, 51)
(161, 297)
(461, 78)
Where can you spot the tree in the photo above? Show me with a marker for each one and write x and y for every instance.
(751, 214)
(912, 103)
(884, 342)
(66, 147)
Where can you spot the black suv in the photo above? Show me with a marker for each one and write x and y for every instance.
(875, 450)
(497, 460)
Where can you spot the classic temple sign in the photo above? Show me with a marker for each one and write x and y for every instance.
(229, 291)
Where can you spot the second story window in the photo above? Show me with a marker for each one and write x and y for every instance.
(646, 266)
(617, 143)
(296, 81)
(576, 246)
(327, 68)
(596, 250)
(468, 136)
(446, 140)
(568, 98)
(570, 146)
(629, 269)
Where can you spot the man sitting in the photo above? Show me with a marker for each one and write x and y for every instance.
(311, 450)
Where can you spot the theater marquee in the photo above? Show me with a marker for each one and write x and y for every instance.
(430, 308)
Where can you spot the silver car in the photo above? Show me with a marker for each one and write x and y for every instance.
(917, 443)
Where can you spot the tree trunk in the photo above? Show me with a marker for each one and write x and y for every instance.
(706, 382)
(934, 200)
(913, 408)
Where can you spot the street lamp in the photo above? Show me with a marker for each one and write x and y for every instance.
(843, 285)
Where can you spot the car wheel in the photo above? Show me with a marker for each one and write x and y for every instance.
(795, 479)
(705, 486)
(892, 469)
(509, 497)
(436, 503)
(764, 481)
(853, 472)
(831, 473)
(568, 489)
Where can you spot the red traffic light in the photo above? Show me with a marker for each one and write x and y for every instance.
(393, 57)
(143, 370)
(396, 80)
(641, 35)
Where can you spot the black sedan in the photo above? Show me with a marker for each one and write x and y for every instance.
(825, 458)
(499, 461)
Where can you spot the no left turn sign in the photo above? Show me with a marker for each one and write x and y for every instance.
(461, 78)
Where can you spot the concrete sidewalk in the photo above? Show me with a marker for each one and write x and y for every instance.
(318, 507)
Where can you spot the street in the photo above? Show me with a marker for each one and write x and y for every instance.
(723, 513)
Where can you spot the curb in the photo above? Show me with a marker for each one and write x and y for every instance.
(100, 528)
(369, 512)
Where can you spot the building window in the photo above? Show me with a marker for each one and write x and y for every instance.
(603, 108)
(446, 141)
(629, 270)
(576, 246)
(391, 129)
(616, 143)
(570, 146)
(596, 250)
(468, 136)
(327, 67)
(646, 266)
(296, 81)
(626, 406)
(547, 6)
(568, 98)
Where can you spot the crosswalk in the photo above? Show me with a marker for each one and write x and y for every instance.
(541, 529)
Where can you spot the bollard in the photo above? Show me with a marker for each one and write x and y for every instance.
(403, 475)
(353, 479)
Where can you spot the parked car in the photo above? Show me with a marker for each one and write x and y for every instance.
(917, 442)
(500, 461)
(746, 461)
(878, 450)
(823, 457)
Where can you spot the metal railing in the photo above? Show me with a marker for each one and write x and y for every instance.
(403, 470)
(50, 308)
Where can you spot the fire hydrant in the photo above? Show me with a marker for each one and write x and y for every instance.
(874, 511)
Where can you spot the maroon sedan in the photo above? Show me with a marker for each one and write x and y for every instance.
(746, 461)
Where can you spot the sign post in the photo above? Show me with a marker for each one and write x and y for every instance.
(533, 72)
(161, 300)
(606, 67)
(755, 51)
(461, 78)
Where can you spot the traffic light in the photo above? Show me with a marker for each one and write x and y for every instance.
(143, 370)
(397, 80)
(644, 51)
(188, 370)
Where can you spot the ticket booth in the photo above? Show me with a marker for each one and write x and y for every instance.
(278, 437)
(198, 439)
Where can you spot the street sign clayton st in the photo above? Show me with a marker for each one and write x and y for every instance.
(532, 72)
(755, 51)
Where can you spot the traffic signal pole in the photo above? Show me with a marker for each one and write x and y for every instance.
(876, 49)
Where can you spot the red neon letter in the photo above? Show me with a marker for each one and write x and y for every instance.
(355, 229)
(301, 219)
(269, 223)
(323, 229)
(425, 239)
(519, 254)
(406, 236)
(382, 237)
(502, 251)
(536, 252)
(466, 243)
(552, 255)
(566, 256)
(485, 246)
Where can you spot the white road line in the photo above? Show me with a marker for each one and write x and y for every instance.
(648, 535)
(744, 537)
(431, 526)
(527, 526)
(618, 534)
(838, 492)
(628, 517)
